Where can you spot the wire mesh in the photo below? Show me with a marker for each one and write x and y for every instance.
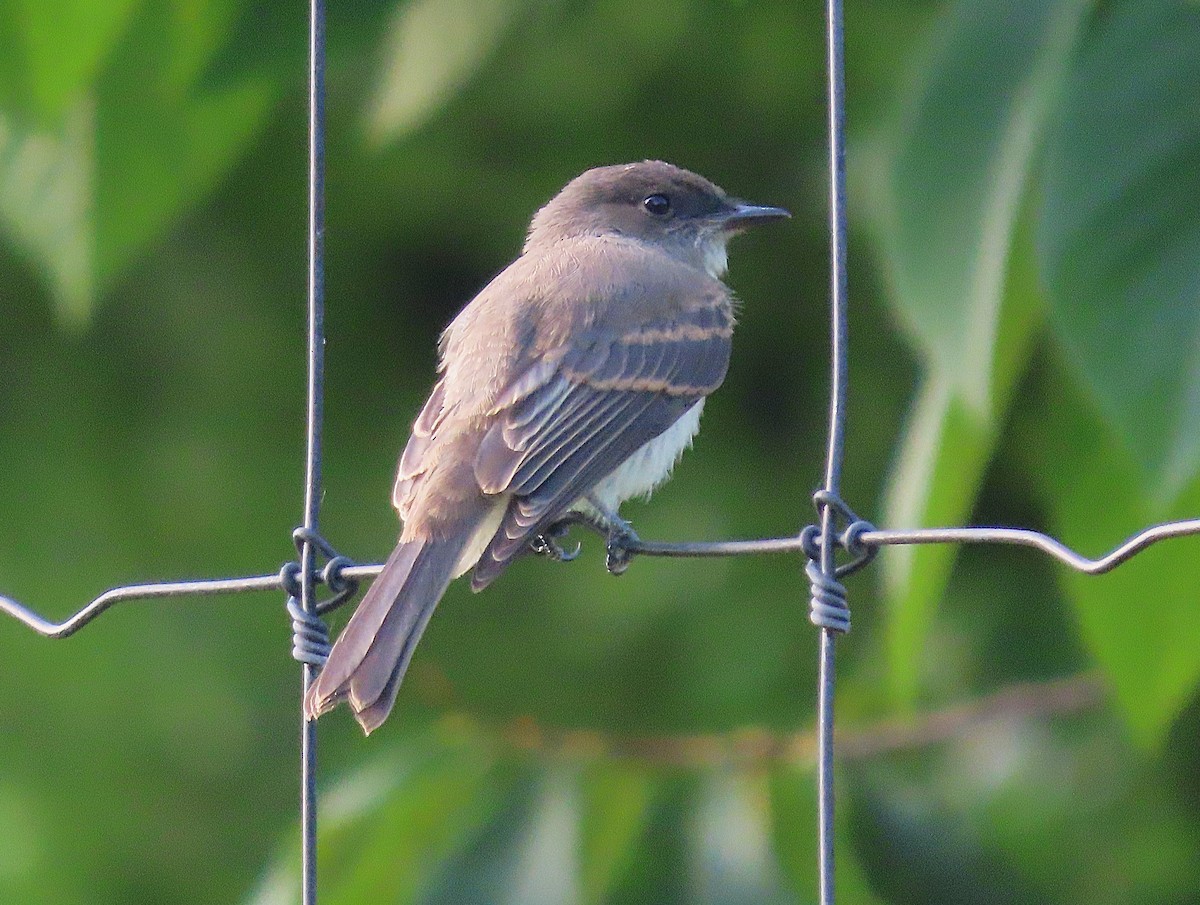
(838, 529)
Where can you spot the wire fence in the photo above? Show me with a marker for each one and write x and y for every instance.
(839, 533)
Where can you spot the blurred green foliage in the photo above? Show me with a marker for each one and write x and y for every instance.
(1025, 272)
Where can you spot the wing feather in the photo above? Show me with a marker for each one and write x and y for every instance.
(412, 459)
(611, 393)
(543, 395)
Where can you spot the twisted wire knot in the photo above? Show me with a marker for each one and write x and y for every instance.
(851, 541)
(289, 577)
(332, 575)
(343, 587)
(310, 635)
(849, 538)
(828, 607)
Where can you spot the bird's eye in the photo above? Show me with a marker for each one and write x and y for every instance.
(659, 205)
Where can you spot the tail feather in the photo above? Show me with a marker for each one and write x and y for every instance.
(368, 660)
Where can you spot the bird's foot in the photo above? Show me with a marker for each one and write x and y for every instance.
(546, 544)
(621, 538)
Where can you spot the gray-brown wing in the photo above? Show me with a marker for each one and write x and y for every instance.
(611, 393)
(413, 458)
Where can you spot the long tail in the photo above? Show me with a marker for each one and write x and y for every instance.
(368, 660)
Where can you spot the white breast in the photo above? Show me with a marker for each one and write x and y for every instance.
(650, 465)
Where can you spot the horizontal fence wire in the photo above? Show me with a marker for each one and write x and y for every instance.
(876, 538)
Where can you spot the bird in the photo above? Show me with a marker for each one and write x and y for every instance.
(572, 382)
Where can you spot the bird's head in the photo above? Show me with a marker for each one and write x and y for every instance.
(675, 210)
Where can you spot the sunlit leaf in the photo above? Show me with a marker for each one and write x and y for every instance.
(943, 454)
(52, 51)
(546, 869)
(46, 204)
(948, 207)
(82, 192)
(944, 451)
(1022, 809)
(386, 831)
(1141, 621)
(22, 854)
(1120, 233)
(960, 165)
(433, 48)
(528, 853)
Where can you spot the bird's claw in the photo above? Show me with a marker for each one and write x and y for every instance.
(546, 544)
(621, 538)
(620, 544)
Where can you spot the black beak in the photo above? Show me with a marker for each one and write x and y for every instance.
(741, 215)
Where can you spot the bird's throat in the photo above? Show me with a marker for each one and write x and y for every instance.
(714, 256)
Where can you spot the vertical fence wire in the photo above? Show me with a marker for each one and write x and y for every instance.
(837, 418)
(315, 417)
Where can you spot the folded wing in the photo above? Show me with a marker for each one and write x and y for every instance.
(571, 422)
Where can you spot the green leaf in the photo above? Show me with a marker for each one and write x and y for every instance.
(1119, 235)
(961, 163)
(948, 210)
(923, 850)
(1139, 621)
(162, 141)
(272, 39)
(615, 801)
(46, 204)
(140, 141)
(53, 49)
(943, 455)
(433, 49)
(386, 831)
(527, 854)
(546, 870)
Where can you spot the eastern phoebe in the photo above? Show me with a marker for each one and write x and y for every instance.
(572, 382)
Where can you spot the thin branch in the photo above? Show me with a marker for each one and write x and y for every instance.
(756, 747)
